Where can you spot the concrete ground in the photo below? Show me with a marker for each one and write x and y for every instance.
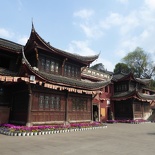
(116, 139)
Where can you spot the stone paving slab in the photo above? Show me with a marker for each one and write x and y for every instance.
(116, 139)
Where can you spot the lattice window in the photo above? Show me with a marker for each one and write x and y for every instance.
(73, 71)
(41, 102)
(56, 67)
(69, 70)
(42, 64)
(58, 106)
(52, 102)
(137, 107)
(79, 104)
(46, 102)
(47, 67)
(65, 71)
(52, 66)
(146, 107)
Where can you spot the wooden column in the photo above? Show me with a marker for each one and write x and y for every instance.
(37, 57)
(66, 107)
(63, 65)
(92, 108)
(133, 109)
(29, 107)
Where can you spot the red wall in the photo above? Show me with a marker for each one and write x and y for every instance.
(104, 96)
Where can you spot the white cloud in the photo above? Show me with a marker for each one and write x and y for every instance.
(92, 31)
(150, 4)
(114, 19)
(81, 48)
(123, 1)
(129, 23)
(22, 40)
(90, 28)
(84, 14)
(124, 23)
(107, 64)
(5, 33)
(134, 28)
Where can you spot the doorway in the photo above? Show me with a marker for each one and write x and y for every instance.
(95, 113)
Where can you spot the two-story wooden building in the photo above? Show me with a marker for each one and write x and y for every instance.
(41, 84)
(131, 99)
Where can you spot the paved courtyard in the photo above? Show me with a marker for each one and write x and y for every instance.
(117, 139)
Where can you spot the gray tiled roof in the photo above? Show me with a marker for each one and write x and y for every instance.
(146, 96)
(10, 45)
(73, 82)
(117, 77)
(134, 94)
(123, 94)
(6, 72)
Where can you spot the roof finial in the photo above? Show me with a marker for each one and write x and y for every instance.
(32, 26)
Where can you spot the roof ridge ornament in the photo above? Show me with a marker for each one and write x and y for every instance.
(33, 29)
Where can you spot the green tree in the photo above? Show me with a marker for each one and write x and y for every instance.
(140, 63)
(99, 67)
(121, 68)
(152, 84)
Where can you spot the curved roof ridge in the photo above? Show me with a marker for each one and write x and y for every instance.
(66, 53)
(146, 97)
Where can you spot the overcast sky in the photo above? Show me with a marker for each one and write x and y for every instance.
(86, 27)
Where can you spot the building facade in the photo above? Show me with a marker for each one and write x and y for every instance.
(132, 99)
(41, 84)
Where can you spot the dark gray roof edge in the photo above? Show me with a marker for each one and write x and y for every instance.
(10, 44)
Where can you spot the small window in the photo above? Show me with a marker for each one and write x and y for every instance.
(42, 64)
(137, 107)
(85, 105)
(69, 70)
(41, 102)
(56, 67)
(65, 71)
(52, 102)
(57, 102)
(106, 89)
(52, 66)
(47, 68)
(46, 102)
(146, 107)
(73, 71)
(76, 72)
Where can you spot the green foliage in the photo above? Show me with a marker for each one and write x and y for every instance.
(99, 67)
(140, 63)
(152, 84)
(121, 68)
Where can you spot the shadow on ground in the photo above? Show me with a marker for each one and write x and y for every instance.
(151, 133)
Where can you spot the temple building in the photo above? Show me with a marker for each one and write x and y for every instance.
(132, 98)
(40, 84)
